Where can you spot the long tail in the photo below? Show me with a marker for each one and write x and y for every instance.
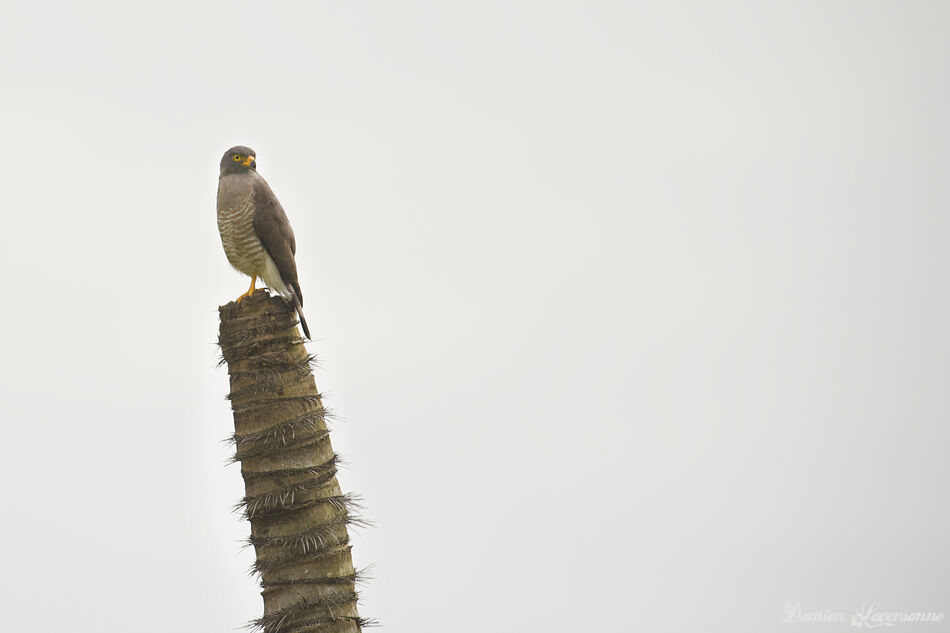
(294, 297)
(303, 321)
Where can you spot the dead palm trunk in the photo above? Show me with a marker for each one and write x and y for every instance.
(298, 515)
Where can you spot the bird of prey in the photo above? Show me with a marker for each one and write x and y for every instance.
(254, 229)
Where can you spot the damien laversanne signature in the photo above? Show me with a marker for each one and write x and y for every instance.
(870, 615)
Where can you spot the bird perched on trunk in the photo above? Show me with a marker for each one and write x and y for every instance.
(254, 229)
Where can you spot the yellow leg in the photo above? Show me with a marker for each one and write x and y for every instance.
(250, 291)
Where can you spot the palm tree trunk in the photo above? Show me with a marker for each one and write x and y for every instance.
(298, 515)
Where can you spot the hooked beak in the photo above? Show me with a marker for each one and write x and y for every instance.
(249, 161)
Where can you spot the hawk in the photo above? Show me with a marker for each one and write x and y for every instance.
(255, 231)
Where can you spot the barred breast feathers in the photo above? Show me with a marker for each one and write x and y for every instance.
(236, 224)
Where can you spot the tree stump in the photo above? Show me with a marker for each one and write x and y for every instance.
(298, 515)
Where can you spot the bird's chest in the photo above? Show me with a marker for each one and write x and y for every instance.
(241, 244)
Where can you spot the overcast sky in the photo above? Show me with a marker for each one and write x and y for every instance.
(635, 314)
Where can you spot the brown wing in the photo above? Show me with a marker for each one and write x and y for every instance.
(273, 229)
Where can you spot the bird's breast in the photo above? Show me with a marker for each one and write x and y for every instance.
(236, 226)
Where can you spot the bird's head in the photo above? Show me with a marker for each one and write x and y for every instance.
(238, 159)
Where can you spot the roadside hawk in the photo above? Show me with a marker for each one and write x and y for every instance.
(254, 229)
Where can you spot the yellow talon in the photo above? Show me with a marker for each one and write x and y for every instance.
(250, 290)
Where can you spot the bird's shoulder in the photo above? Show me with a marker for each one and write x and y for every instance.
(263, 195)
(270, 220)
(266, 204)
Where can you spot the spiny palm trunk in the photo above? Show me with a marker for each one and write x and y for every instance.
(298, 515)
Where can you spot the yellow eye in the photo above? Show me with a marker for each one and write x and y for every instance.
(236, 157)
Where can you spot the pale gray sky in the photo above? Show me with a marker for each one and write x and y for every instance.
(635, 314)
